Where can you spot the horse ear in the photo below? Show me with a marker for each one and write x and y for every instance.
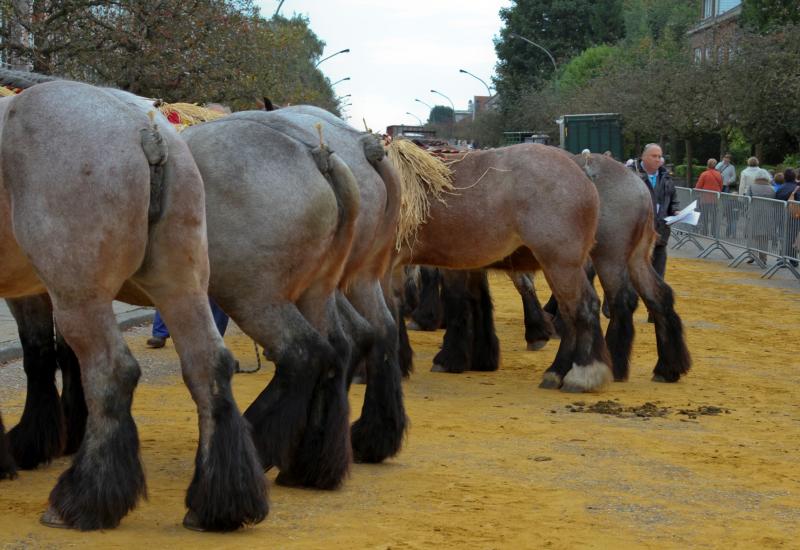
(268, 106)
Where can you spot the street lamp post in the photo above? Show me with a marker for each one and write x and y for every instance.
(480, 79)
(341, 97)
(428, 106)
(447, 98)
(346, 50)
(340, 80)
(545, 50)
(415, 116)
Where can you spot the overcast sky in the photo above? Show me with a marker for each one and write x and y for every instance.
(400, 50)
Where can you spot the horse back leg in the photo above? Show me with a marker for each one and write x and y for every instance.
(485, 345)
(40, 434)
(622, 301)
(72, 400)
(379, 431)
(106, 478)
(8, 469)
(581, 363)
(673, 356)
(538, 328)
(459, 311)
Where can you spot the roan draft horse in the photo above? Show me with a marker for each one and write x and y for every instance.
(621, 258)
(100, 200)
(533, 198)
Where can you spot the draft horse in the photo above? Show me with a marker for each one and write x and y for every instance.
(99, 200)
(534, 199)
(621, 259)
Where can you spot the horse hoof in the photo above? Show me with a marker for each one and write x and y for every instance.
(537, 345)
(661, 379)
(587, 378)
(441, 368)
(285, 480)
(192, 522)
(51, 519)
(550, 381)
(413, 325)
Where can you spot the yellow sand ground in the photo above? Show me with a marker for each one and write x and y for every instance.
(491, 461)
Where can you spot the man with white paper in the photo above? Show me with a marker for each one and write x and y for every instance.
(662, 190)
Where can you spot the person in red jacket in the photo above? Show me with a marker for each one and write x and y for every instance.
(709, 181)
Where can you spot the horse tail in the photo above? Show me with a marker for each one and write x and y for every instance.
(155, 150)
(673, 356)
(348, 197)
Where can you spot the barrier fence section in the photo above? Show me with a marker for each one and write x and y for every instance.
(760, 227)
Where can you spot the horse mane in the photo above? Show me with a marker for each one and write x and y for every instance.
(422, 176)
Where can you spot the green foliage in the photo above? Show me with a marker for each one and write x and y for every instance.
(563, 27)
(441, 115)
(591, 63)
(177, 50)
(768, 15)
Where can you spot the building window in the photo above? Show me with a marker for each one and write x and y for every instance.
(708, 8)
(698, 55)
(708, 54)
(721, 55)
(726, 5)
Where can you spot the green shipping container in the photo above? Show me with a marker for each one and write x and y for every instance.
(597, 132)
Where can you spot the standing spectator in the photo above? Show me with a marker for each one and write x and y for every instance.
(710, 181)
(759, 211)
(750, 174)
(787, 185)
(728, 172)
(662, 191)
(784, 193)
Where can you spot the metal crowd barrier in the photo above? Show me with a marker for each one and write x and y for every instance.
(761, 227)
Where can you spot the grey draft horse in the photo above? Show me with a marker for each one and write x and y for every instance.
(533, 199)
(99, 202)
(366, 280)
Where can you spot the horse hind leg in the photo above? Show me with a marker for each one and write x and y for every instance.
(538, 328)
(485, 345)
(429, 312)
(323, 454)
(228, 489)
(582, 361)
(459, 310)
(72, 400)
(674, 359)
(8, 469)
(106, 478)
(40, 434)
(622, 301)
(379, 431)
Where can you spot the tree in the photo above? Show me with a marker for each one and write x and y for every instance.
(768, 15)
(441, 115)
(564, 27)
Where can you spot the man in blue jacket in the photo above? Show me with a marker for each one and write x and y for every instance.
(662, 190)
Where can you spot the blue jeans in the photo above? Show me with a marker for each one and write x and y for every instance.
(220, 319)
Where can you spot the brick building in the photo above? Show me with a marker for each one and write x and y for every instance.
(713, 39)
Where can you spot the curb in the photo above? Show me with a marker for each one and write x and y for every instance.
(11, 351)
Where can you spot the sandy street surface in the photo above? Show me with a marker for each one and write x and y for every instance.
(491, 461)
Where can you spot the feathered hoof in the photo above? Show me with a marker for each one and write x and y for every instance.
(441, 368)
(550, 381)
(192, 522)
(537, 345)
(587, 378)
(664, 380)
(50, 518)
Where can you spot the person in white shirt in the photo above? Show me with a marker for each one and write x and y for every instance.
(750, 174)
(728, 172)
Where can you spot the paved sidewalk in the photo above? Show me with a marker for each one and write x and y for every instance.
(10, 349)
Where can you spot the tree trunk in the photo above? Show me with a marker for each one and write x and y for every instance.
(759, 151)
(688, 162)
